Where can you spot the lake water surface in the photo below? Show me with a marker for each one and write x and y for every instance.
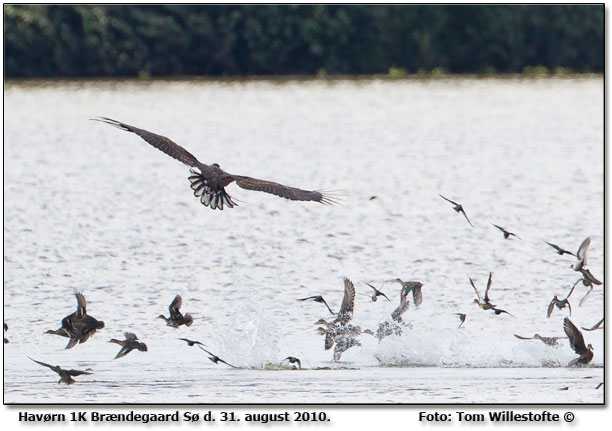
(91, 208)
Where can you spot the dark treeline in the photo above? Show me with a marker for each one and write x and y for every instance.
(163, 40)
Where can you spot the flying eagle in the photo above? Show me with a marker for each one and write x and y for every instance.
(208, 182)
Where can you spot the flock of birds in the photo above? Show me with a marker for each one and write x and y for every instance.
(343, 335)
(208, 183)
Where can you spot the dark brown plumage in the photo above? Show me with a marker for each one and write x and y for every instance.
(130, 343)
(577, 344)
(176, 318)
(208, 182)
(65, 375)
(78, 326)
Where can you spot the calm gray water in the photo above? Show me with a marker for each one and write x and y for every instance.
(91, 208)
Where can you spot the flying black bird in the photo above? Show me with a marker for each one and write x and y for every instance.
(190, 342)
(377, 293)
(130, 343)
(215, 358)
(6, 341)
(294, 360)
(560, 303)
(462, 317)
(176, 318)
(596, 326)
(549, 341)
(78, 326)
(499, 311)
(208, 182)
(505, 232)
(560, 251)
(65, 375)
(577, 344)
(459, 208)
(318, 299)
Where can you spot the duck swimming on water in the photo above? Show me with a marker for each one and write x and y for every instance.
(208, 182)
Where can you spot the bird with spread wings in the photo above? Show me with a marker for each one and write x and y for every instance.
(208, 182)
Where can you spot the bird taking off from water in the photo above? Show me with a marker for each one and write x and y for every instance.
(577, 344)
(294, 360)
(506, 233)
(459, 208)
(208, 182)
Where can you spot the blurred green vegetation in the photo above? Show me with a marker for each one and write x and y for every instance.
(321, 40)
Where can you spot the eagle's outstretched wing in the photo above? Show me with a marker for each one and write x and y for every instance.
(291, 193)
(160, 142)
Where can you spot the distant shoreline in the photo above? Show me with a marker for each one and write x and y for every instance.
(305, 78)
